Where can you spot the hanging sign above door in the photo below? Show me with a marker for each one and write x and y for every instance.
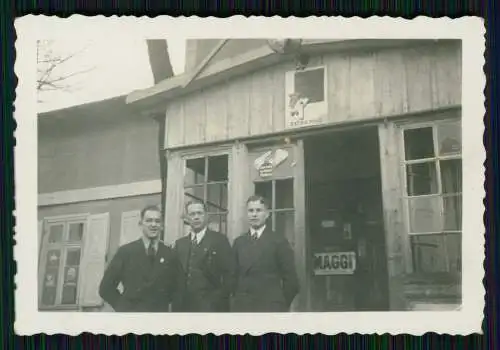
(267, 162)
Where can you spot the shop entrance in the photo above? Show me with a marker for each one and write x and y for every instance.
(344, 222)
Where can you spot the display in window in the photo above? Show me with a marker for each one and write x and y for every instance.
(217, 168)
(195, 171)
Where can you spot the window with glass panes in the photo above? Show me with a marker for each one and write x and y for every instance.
(433, 195)
(279, 193)
(206, 179)
(61, 256)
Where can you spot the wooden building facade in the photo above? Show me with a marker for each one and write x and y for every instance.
(98, 166)
(359, 152)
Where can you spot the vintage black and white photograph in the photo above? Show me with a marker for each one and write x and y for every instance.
(272, 175)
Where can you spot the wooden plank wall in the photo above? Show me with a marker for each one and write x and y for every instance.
(361, 85)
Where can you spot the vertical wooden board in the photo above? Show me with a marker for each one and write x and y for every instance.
(396, 239)
(239, 190)
(216, 121)
(174, 123)
(418, 78)
(447, 76)
(278, 97)
(174, 198)
(194, 118)
(261, 102)
(301, 243)
(238, 106)
(362, 88)
(338, 68)
(390, 83)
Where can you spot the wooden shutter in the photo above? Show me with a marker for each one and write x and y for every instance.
(93, 260)
(174, 227)
(130, 230)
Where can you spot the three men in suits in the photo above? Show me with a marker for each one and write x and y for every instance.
(266, 279)
(207, 265)
(147, 269)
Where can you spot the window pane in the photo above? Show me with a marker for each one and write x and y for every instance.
(450, 138)
(70, 285)
(421, 179)
(49, 287)
(53, 257)
(218, 223)
(195, 171)
(425, 214)
(284, 194)
(73, 257)
(55, 233)
(452, 213)
(451, 175)
(217, 197)
(437, 253)
(75, 232)
(418, 143)
(285, 225)
(265, 190)
(310, 84)
(193, 193)
(217, 168)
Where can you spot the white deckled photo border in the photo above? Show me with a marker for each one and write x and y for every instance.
(29, 320)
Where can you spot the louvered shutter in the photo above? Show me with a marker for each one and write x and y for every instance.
(130, 230)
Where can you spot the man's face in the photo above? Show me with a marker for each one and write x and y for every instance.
(151, 224)
(257, 214)
(196, 216)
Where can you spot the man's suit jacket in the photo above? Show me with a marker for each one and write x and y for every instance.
(215, 267)
(148, 283)
(266, 279)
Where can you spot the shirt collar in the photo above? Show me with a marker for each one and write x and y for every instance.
(258, 231)
(148, 241)
(199, 236)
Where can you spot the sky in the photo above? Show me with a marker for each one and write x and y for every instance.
(108, 69)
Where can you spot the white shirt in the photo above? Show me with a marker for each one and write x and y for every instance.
(257, 232)
(198, 236)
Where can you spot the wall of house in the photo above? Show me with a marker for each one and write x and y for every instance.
(92, 152)
(115, 207)
(360, 85)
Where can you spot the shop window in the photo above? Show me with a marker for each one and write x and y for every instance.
(61, 257)
(433, 195)
(206, 180)
(279, 193)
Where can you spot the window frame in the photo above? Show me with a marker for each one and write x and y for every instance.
(437, 159)
(204, 154)
(63, 247)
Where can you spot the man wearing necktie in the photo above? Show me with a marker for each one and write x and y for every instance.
(147, 269)
(266, 279)
(207, 265)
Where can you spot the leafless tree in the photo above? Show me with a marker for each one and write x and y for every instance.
(52, 72)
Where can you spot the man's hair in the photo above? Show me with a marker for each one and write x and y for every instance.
(260, 199)
(195, 201)
(150, 207)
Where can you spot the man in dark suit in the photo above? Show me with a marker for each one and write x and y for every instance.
(206, 260)
(266, 279)
(147, 269)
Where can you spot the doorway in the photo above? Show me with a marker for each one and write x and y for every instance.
(344, 222)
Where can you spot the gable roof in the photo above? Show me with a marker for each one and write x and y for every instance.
(223, 65)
